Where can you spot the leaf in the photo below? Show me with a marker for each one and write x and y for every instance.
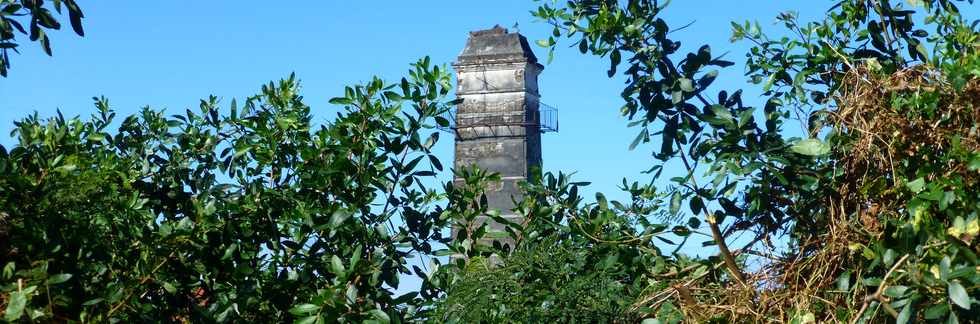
(11, 8)
(46, 43)
(723, 113)
(675, 202)
(888, 258)
(696, 204)
(953, 319)
(601, 200)
(75, 17)
(721, 63)
(442, 252)
(338, 217)
(442, 121)
(639, 137)
(686, 84)
(744, 117)
(494, 234)
(351, 294)
(337, 266)
(676, 97)
(185, 224)
(944, 265)
(844, 281)
(811, 147)
(958, 295)
(242, 151)
(614, 59)
(905, 315)
(303, 309)
(921, 50)
(895, 291)
(411, 165)
(974, 164)
(769, 81)
(694, 222)
(97, 137)
(66, 168)
(681, 231)
(916, 185)
(707, 79)
(435, 162)
(169, 287)
(230, 251)
(392, 96)
(936, 311)
(380, 315)
(340, 101)
(803, 318)
(356, 256)
(92, 302)
(948, 199)
(58, 278)
(669, 135)
(15, 306)
(44, 18)
(223, 316)
(307, 320)
(432, 140)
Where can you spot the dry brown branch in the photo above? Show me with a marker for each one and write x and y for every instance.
(880, 133)
(877, 296)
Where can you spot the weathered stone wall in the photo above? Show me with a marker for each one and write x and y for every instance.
(497, 123)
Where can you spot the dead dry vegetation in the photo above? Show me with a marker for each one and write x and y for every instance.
(871, 112)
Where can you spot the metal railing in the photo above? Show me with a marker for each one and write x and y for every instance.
(545, 119)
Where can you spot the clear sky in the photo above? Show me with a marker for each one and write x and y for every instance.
(170, 54)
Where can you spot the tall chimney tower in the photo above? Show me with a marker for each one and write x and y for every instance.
(498, 125)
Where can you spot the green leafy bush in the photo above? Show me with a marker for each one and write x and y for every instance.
(13, 17)
(553, 282)
(876, 192)
(255, 214)
(249, 213)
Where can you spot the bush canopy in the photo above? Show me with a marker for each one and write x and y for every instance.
(850, 195)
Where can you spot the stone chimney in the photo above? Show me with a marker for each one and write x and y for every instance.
(498, 124)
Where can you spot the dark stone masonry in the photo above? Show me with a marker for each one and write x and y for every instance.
(498, 124)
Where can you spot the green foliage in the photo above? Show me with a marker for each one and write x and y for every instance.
(248, 213)
(253, 213)
(573, 262)
(716, 135)
(552, 281)
(40, 16)
(877, 199)
(864, 77)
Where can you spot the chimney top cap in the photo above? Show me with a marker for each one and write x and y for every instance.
(496, 30)
(496, 45)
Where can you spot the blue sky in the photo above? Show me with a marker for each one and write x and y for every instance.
(170, 54)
